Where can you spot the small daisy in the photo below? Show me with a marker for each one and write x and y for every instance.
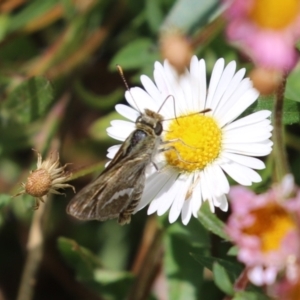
(266, 30)
(207, 145)
(265, 229)
(46, 179)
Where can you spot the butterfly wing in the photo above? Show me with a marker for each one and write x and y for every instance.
(112, 192)
(107, 196)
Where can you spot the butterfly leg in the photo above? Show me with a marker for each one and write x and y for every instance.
(179, 141)
(125, 215)
(177, 153)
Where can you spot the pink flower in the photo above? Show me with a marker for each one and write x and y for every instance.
(288, 287)
(265, 229)
(266, 30)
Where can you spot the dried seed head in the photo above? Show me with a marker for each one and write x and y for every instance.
(38, 183)
(175, 47)
(266, 81)
(46, 179)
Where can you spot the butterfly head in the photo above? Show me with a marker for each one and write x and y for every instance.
(151, 119)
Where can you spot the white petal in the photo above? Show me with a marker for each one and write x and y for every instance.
(187, 91)
(246, 136)
(232, 87)
(248, 98)
(287, 185)
(251, 149)
(241, 174)
(223, 84)
(186, 212)
(179, 198)
(154, 184)
(142, 99)
(196, 199)
(113, 150)
(214, 81)
(223, 202)
(118, 133)
(250, 119)
(263, 125)
(165, 198)
(206, 196)
(160, 80)
(212, 181)
(244, 160)
(195, 83)
(151, 89)
(202, 85)
(256, 275)
(220, 179)
(122, 124)
(127, 112)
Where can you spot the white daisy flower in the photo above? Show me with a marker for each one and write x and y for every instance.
(212, 144)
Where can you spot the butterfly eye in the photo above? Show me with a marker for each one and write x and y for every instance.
(158, 128)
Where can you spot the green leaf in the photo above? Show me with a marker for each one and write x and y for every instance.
(81, 259)
(154, 14)
(187, 14)
(10, 52)
(291, 112)
(211, 222)
(103, 102)
(233, 251)
(292, 90)
(114, 284)
(4, 200)
(245, 295)
(27, 102)
(4, 25)
(33, 10)
(135, 55)
(184, 276)
(232, 268)
(98, 129)
(88, 269)
(222, 279)
(291, 109)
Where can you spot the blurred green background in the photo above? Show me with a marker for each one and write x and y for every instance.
(58, 89)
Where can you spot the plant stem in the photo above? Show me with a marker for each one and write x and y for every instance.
(240, 284)
(148, 262)
(34, 253)
(37, 233)
(280, 155)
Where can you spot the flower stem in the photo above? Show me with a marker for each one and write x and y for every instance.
(35, 245)
(280, 155)
(35, 252)
(148, 262)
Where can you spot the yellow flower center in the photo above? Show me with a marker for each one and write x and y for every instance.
(274, 14)
(196, 139)
(271, 225)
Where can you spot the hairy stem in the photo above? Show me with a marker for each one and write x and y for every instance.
(281, 166)
(34, 253)
(37, 231)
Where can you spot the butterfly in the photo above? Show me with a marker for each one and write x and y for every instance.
(118, 189)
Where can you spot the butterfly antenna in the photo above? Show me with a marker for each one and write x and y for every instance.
(196, 113)
(170, 96)
(120, 70)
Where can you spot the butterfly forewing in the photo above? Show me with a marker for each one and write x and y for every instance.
(118, 189)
